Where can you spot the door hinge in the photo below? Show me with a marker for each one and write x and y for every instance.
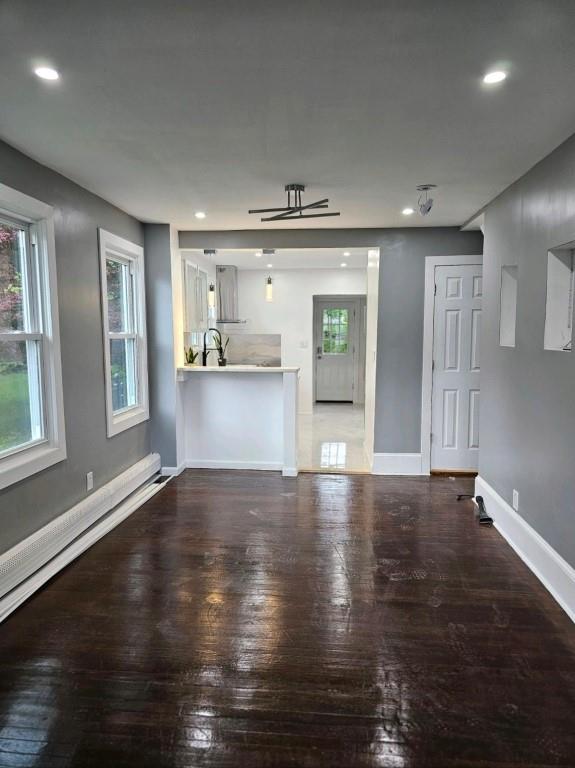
(433, 365)
(435, 289)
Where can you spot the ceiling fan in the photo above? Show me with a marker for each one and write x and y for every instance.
(294, 211)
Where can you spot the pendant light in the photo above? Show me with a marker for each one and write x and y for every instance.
(209, 252)
(269, 252)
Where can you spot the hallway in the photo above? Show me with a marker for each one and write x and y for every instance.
(245, 619)
(331, 439)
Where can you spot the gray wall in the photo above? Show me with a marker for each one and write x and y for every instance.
(160, 342)
(28, 505)
(527, 421)
(401, 294)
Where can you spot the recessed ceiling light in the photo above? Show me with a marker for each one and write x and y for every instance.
(47, 73)
(270, 266)
(258, 254)
(343, 264)
(346, 253)
(408, 211)
(494, 77)
(200, 215)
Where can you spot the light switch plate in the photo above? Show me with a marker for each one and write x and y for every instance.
(89, 481)
(515, 500)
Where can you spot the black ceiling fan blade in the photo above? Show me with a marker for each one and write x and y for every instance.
(268, 210)
(297, 216)
(296, 209)
(274, 210)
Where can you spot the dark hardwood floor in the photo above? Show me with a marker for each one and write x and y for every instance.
(245, 620)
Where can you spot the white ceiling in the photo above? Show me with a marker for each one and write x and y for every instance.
(314, 258)
(165, 107)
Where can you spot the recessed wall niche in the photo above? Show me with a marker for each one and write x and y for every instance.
(559, 307)
(508, 306)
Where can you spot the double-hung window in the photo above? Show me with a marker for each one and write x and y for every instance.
(124, 318)
(31, 403)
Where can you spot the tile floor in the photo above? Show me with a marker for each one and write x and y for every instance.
(331, 438)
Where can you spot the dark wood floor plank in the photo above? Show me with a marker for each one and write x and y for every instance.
(245, 619)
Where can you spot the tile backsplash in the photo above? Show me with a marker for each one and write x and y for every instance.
(255, 349)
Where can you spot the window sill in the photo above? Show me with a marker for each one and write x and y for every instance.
(28, 462)
(127, 419)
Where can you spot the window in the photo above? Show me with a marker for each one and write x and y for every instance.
(335, 331)
(31, 403)
(124, 318)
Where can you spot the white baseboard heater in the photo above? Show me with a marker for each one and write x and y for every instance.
(29, 564)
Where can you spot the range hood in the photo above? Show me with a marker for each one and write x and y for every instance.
(227, 290)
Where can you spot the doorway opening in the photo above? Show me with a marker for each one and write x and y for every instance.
(273, 322)
(332, 436)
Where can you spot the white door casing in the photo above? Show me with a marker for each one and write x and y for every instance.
(335, 348)
(456, 368)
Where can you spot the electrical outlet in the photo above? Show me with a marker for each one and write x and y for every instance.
(89, 481)
(515, 500)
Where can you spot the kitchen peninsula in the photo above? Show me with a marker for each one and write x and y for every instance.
(239, 417)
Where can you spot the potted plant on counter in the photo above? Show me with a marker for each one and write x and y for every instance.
(190, 355)
(221, 348)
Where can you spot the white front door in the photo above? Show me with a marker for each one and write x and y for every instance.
(456, 366)
(335, 349)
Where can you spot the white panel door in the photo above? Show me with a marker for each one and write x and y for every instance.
(456, 366)
(335, 349)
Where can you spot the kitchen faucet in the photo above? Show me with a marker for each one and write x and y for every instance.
(207, 351)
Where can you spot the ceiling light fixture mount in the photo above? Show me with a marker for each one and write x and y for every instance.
(295, 208)
(425, 202)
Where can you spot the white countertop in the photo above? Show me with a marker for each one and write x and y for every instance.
(236, 369)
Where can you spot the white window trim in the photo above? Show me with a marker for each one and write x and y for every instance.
(113, 245)
(51, 450)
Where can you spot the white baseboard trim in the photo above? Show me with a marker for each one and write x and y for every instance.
(369, 455)
(28, 565)
(396, 464)
(173, 471)
(555, 573)
(270, 466)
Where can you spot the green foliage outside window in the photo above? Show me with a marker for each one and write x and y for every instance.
(335, 331)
